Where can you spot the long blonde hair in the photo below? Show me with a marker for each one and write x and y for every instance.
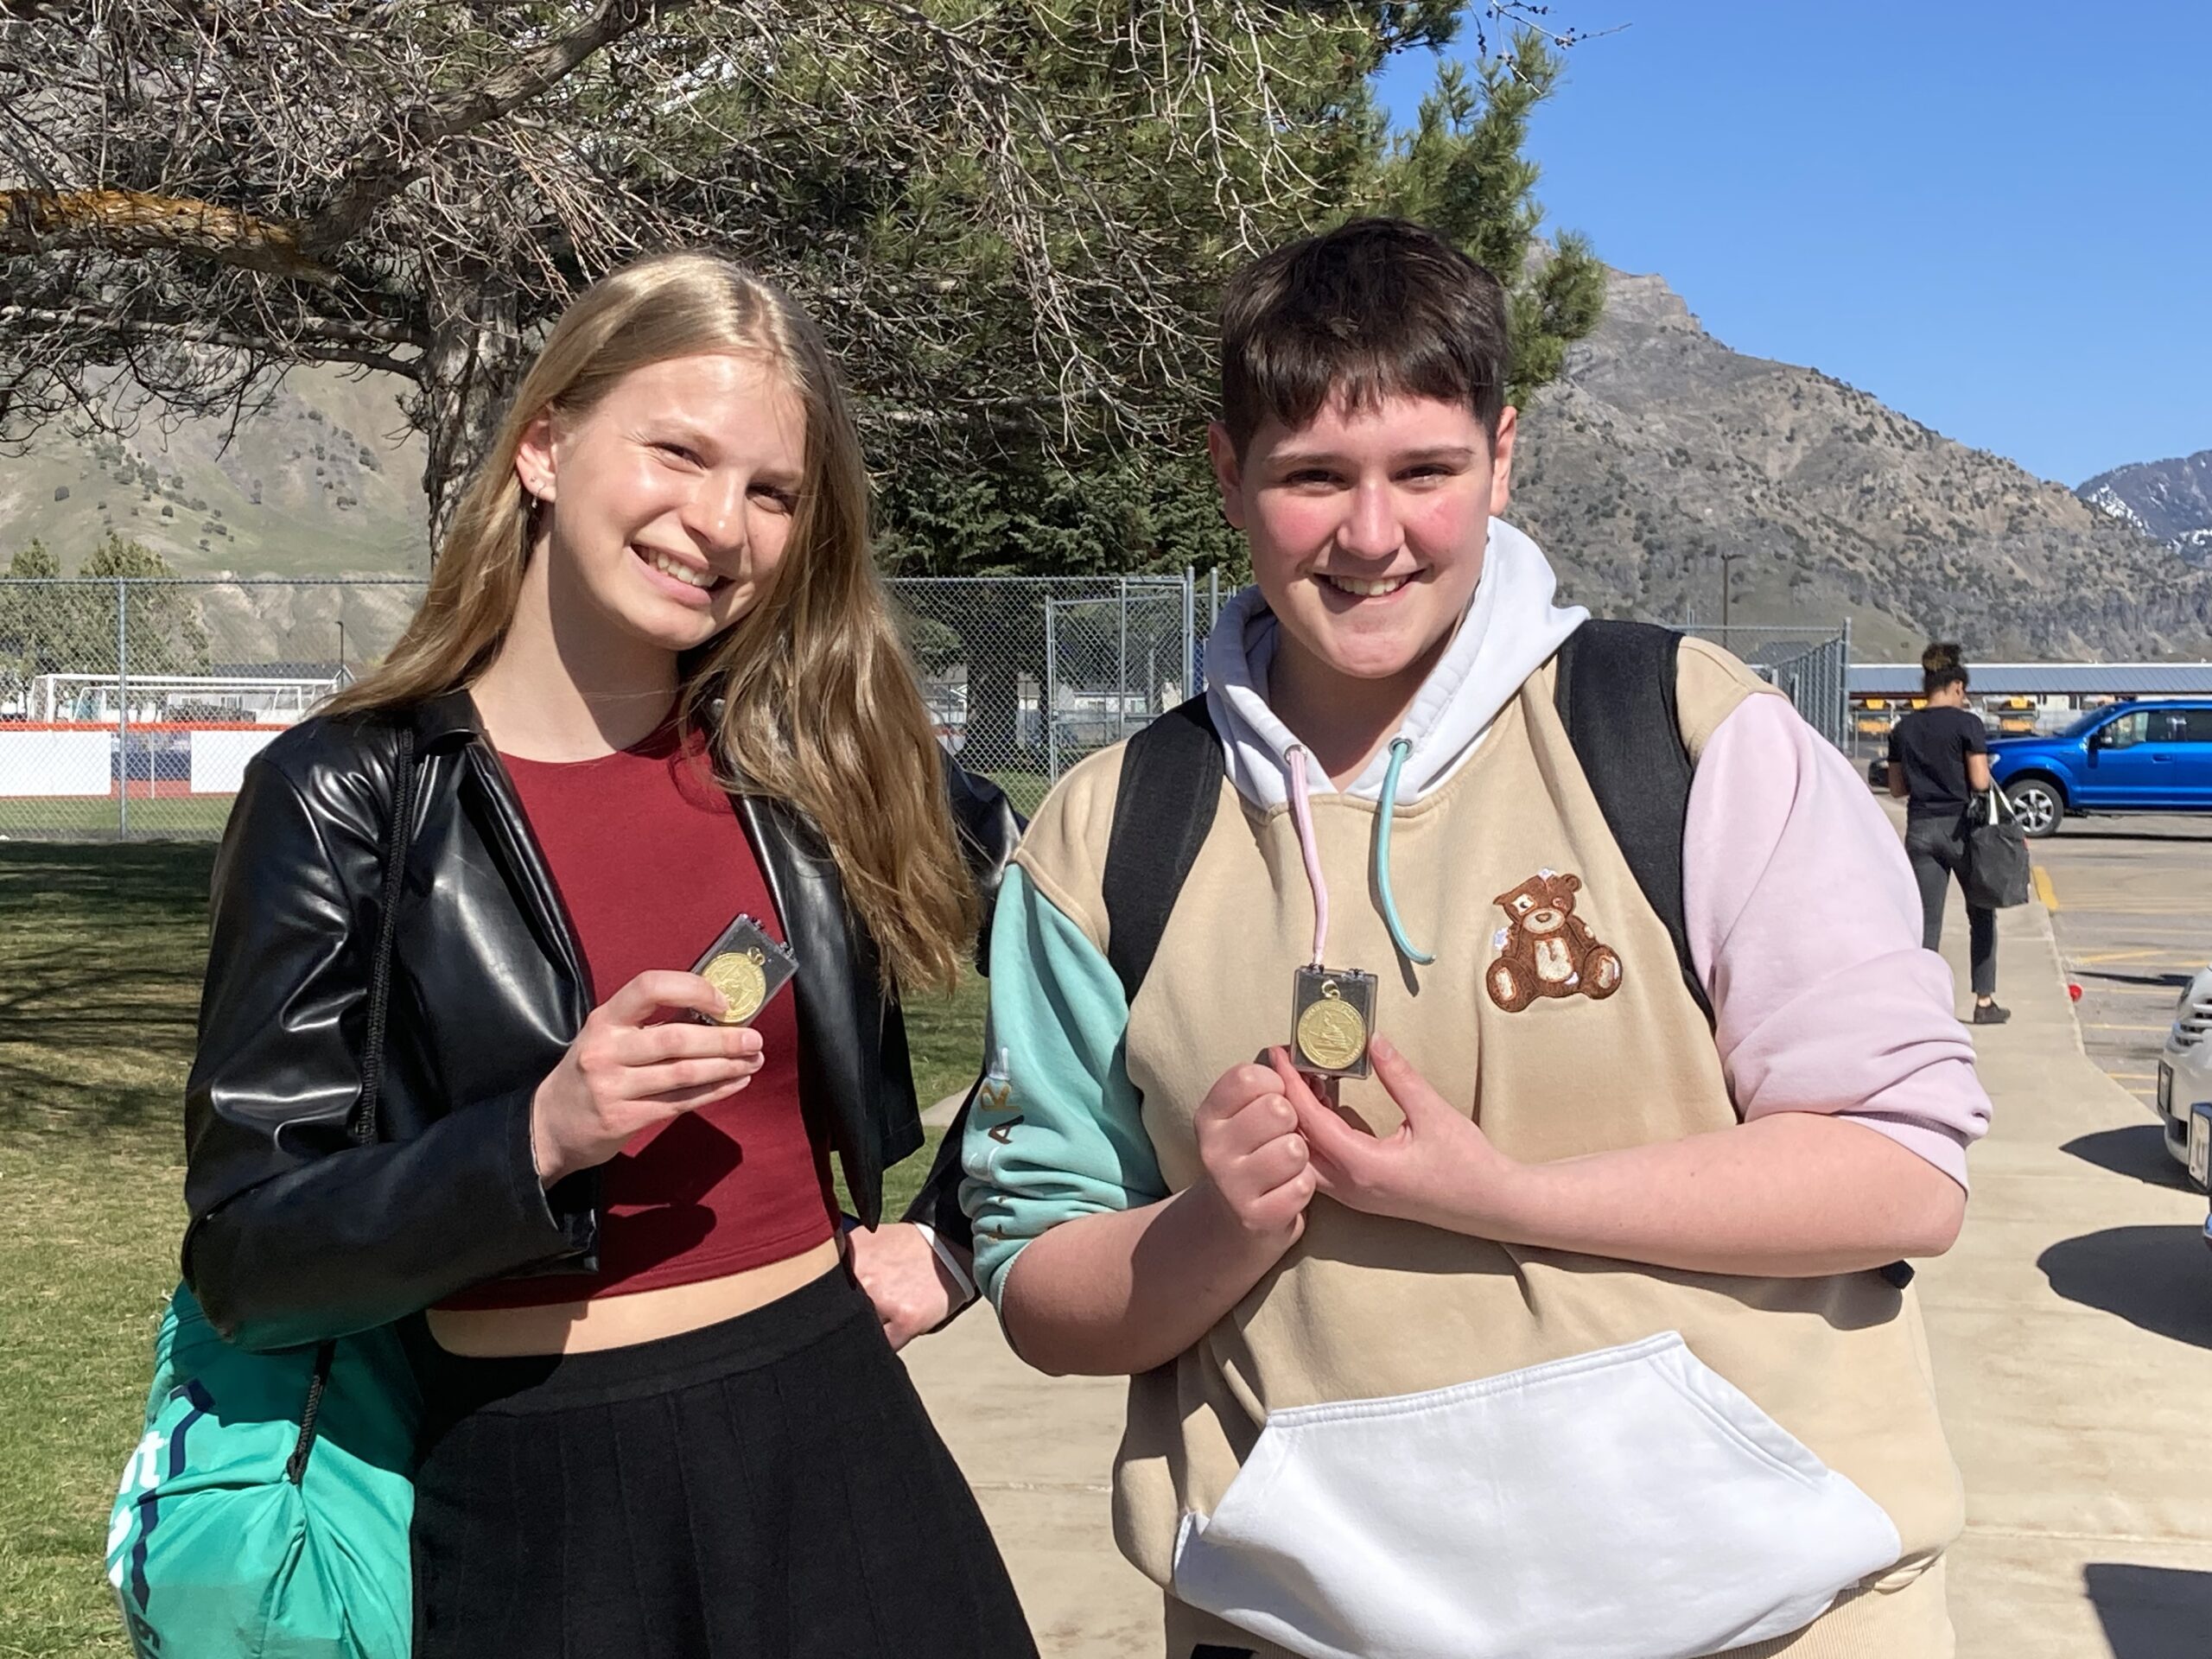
(817, 704)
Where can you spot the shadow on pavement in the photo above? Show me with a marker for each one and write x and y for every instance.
(2074, 829)
(2138, 1151)
(2152, 1612)
(2157, 1278)
(2105, 976)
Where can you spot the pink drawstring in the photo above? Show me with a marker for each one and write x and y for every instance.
(1301, 812)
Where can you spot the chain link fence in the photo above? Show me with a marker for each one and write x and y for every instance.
(1811, 665)
(129, 708)
(1025, 675)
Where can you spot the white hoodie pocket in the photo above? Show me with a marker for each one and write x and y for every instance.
(1629, 1503)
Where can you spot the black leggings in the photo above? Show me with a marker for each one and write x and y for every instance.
(1938, 847)
(769, 1487)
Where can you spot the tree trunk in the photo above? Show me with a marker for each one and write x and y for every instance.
(474, 360)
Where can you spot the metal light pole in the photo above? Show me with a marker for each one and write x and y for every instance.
(1727, 559)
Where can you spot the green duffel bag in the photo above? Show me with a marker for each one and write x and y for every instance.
(265, 1513)
(245, 1530)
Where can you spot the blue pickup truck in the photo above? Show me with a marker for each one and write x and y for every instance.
(2128, 757)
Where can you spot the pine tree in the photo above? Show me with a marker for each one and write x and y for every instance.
(164, 633)
(27, 615)
(997, 213)
(34, 560)
(1463, 171)
(1121, 508)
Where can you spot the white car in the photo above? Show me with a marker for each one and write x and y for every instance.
(2184, 1103)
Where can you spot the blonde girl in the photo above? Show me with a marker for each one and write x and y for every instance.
(652, 688)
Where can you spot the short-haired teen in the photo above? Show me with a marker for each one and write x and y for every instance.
(1570, 1332)
(652, 686)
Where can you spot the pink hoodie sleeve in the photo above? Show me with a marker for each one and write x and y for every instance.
(1804, 924)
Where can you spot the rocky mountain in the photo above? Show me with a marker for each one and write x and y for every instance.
(1661, 452)
(2170, 501)
(324, 479)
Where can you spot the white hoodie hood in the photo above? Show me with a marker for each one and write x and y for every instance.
(1510, 630)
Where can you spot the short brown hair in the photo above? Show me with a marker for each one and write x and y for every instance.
(1375, 308)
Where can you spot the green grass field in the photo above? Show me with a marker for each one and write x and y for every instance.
(25, 819)
(1025, 789)
(104, 947)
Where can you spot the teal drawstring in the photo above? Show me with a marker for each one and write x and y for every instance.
(1399, 749)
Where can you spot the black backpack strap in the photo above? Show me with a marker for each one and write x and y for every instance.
(1616, 695)
(1169, 789)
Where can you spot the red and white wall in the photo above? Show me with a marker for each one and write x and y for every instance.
(60, 759)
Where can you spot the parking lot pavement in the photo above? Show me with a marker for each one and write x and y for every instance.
(2071, 1327)
(2131, 909)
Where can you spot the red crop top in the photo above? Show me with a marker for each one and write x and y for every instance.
(651, 864)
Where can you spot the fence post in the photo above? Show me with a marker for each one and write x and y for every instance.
(1121, 696)
(1190, 631)
(1843, 685)
(122, 707)
(1052, 691)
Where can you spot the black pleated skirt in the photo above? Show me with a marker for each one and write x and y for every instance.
(768, 1488)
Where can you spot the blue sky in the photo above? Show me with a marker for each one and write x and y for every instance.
(1996, 219)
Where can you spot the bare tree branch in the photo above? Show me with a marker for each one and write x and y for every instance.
(387, 162)
(1005, 216)
(136, 221)
(320, 343)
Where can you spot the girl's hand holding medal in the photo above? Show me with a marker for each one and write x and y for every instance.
(628, 1070)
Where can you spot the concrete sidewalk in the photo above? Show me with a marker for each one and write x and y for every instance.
(2072, 1335)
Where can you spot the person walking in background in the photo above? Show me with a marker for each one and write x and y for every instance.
(1939, 760)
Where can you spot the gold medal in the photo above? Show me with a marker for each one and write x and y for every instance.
(737, 976)
(1332, 1029)
(747, 965)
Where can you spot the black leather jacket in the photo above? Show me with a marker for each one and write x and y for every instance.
(295, 1234)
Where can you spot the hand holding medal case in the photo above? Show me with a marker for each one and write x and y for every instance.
(746, 965)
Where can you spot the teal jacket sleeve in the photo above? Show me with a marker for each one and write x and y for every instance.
(1054, 1132)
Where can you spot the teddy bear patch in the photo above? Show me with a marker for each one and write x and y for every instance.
(1546, 950)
